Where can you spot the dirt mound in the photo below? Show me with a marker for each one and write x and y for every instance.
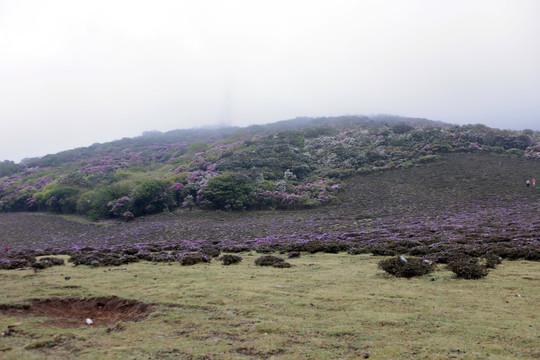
(73, 312)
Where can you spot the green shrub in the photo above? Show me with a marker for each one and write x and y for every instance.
(57, 198)
(229, 191)
(150, 197)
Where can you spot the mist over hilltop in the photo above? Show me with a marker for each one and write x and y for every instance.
(75, 73)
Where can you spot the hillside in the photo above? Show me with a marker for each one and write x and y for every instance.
(295, 164)
(474, 203)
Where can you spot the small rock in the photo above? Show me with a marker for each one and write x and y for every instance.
(331, 283)
(18, 323)
(67, 278)
(366, 356)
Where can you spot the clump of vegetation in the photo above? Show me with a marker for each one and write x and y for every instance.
(357, 250)
(315, 246)
(193, 258)
(294, 254)
(162, 257)
(268, 260)
(282, 265)
(229, 259)
(12, 264)
(235, 248)
(210, 251)
(400, 266)
(263, 249)
(467, 268)
(47, 262)
(26, 260)
(491, 260)
(101, 258)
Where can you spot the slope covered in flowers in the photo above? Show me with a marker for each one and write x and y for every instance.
(474, 204)
(296, 164)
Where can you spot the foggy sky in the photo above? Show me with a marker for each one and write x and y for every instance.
(73, 73)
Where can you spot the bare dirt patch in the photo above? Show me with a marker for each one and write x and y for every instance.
(73, 312)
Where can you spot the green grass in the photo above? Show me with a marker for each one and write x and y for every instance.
(324, 307)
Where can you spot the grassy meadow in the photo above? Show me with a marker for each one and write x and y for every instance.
(327, 306)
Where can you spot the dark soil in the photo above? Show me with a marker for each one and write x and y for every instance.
(73, 312)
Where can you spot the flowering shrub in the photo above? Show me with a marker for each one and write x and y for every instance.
(119, 206)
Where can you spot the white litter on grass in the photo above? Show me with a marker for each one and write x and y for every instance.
(89, 322)
(402, 258)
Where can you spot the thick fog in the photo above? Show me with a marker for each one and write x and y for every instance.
(77, 72)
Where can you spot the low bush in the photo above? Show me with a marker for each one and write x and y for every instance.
(47, 262)
(282, 264)
(163, 257)
(210, 251)
(263, 249)
(491, 260)
(235, 248)
(12, 264)
(193, 258)
(294, 254)
(400, 266)
(268, 260)
(467, 268)
(102, 258)
(315, 246)
(229, 259)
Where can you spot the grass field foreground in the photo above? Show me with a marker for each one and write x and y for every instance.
(327, 306)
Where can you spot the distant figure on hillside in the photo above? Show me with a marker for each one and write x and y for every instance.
(7, 248)
(533, 182)
(527, 182)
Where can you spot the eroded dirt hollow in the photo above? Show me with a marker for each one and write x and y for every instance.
(73, 312)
